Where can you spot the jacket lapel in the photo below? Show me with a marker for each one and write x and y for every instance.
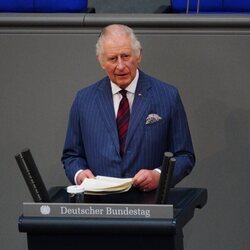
(141, 105)
(105, 105)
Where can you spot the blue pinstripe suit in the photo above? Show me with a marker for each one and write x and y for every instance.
(92, 139)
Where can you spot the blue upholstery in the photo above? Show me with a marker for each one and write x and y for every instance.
(60, 5)
(237, 5)
(180, 6)
(43, 5)
(16, 5)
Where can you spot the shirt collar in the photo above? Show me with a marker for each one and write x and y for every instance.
(131, 87)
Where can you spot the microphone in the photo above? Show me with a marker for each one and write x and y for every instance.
(32, 176)
(168, 181)
(165, 178)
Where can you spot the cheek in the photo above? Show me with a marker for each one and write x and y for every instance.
(134, 63)
(108, 68)
(133, 67)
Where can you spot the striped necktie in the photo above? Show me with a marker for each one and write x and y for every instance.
(122, 120)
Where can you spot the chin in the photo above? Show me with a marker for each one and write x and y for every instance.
(123, 84)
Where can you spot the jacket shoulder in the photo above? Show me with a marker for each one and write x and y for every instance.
(161, 85)
(90, 90)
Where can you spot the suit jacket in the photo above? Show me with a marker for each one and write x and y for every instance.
(92, 138)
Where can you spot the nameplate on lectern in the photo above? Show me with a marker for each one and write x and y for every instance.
(94, 210)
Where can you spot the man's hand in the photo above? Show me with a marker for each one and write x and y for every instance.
(146, 180)
(84, 174)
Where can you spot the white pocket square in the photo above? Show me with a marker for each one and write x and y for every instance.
(152, 118)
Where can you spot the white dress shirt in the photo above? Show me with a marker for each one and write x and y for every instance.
(130, 93)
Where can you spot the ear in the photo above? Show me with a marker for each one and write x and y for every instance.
(139, 58)
(98, 58)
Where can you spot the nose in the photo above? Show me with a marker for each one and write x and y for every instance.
(120, 63)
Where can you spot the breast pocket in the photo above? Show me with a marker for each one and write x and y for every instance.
(156, 132)
(155, 142)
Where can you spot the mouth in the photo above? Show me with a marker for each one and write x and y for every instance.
(121, 75)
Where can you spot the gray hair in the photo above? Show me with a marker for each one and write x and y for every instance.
(120, 29)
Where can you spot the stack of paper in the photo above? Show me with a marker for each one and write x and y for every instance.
(103, 185)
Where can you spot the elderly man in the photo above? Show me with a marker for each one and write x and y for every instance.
(121, 125)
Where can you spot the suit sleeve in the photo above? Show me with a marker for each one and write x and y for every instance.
(180, 141)
(73, 157)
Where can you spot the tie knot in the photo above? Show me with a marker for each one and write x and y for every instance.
(123, 92)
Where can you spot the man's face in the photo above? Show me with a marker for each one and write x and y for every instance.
(119, 60)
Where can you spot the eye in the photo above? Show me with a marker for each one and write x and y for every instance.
(112, 59)
(125, 56)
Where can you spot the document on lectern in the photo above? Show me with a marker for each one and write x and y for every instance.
(101, 185)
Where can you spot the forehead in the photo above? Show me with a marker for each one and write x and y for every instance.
(117, 44)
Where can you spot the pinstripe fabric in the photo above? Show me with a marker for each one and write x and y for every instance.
(92, 139)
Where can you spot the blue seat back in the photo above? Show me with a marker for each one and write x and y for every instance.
(180, 6)
(43, 5)
(237, 5)
(16, 5)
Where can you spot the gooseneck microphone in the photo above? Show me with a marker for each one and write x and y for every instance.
(32, 176)
(165, 178)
